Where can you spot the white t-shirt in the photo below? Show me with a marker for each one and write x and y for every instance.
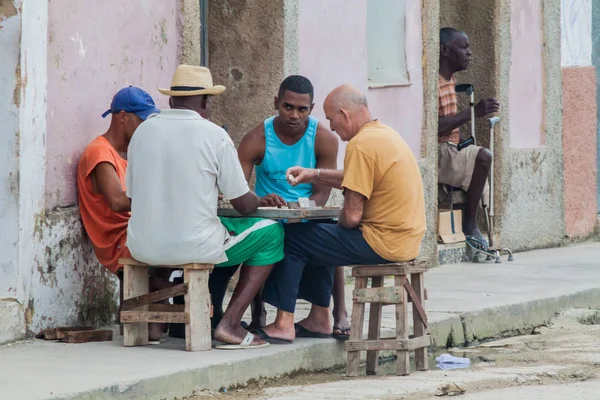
(177, 162)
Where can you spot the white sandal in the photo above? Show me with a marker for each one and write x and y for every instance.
(245, 344)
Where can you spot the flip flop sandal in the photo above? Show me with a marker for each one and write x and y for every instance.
(245, 344)
(305, 333)
(477, 243)
(343, 335)
(163, 337)
(273, 340)
(244, 324)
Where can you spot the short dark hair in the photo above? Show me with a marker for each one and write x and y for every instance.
(297, 84)
(178, 101)
(447, 35)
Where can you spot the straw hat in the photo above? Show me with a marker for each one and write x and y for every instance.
(190, 80)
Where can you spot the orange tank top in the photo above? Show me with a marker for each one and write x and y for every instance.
(107, 229)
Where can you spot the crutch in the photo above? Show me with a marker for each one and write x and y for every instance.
(490, 220)
(491, 252)
(470, 90)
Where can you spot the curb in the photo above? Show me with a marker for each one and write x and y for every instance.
(314, 355)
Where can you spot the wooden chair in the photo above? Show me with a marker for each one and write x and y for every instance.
(137, 308)
(399, 295)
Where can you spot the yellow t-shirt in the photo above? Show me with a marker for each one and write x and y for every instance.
(379, 165)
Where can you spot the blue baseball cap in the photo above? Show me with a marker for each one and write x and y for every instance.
(132, 100)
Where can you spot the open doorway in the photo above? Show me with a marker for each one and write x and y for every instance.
(477, 20)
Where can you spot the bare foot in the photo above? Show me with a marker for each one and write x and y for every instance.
(474, 232)
(340, 320)
(277, 332)
(234, 334)
(317, 327)
(155, 331)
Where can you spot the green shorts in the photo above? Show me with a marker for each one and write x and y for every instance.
(253, 241)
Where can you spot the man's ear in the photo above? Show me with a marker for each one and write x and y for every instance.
(276, 102)
(171, 102)
(346, 114)
(311, 107)
(444, 50)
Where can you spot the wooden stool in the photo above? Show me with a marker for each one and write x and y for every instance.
(378, 296)
(137, 309)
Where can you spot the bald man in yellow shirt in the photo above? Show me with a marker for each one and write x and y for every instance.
(383, 218)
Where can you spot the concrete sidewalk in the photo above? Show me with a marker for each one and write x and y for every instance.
(467, 302)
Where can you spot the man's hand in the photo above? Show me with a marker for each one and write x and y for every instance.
(272, 200)
(297, 175)
(486, 107)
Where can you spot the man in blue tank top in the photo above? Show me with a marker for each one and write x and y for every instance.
(288, 139)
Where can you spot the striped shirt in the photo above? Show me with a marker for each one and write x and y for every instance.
(448, 107)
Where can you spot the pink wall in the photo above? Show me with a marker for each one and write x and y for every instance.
(333, 51)
(402, 107)
(579, 150)
(526, 74)
(94, 50)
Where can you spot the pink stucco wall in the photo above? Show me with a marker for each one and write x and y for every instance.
(579, 150)
(94, 50)
(333, 51)
(526, 74)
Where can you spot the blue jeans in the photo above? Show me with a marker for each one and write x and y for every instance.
(312, 251)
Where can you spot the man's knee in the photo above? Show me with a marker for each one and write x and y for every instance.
(484, 158)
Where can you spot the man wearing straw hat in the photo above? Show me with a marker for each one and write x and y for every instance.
(178, 163)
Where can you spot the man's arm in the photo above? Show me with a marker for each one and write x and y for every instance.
(447, 124)
(246, 204)
(352, 212)
(326, 151)
(485, 107)
(105, 181)
(327, 177)
(251, 150)
(232, 183)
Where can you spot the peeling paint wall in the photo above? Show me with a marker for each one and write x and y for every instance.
(32, 156)
(11, 296)
(68, 284)
(61, 63)
(93, 51)
(530, 188)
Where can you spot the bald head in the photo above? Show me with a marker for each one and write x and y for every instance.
(347, 110)
(346, 97)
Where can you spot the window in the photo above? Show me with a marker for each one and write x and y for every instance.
(386, 43)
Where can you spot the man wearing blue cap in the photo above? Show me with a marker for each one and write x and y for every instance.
(104, 206)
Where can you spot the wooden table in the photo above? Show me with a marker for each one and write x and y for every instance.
(284, 213)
